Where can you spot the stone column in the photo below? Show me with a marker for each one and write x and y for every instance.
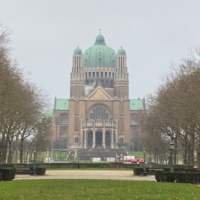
(81, 139)
(81, 142)
(112, 139)
(104, 138)
(94, 139)
(85, 139)
(116, 137)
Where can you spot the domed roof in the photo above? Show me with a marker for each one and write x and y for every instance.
(100, 40)
(121, 52)
(99, 55)
(77, 51)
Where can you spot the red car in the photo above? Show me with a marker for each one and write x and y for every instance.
(135, 161)
(139, 160)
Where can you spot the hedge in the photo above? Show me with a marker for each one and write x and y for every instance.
(37, 170)
(31, 170)
(178, 176)
(141, 171)
(77, 165)
(7, 173)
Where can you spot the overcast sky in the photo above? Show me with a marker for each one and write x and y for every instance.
(155, 34)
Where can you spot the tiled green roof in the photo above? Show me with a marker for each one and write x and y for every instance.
(136, 104)
(61, 104)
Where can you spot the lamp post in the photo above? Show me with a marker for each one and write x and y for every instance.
(171, 149)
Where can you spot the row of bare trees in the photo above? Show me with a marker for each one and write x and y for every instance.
(174, 116)
(21, 119)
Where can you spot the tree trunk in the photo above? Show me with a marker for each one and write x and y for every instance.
(198, 152)
(192, 147)
(16, 150)
(3, 149)
(10, 148)
(21, 150)
(10, 152)
(185, 151)
(175, 150)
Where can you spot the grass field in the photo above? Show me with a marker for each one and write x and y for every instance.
(96, 190)
(139, 154)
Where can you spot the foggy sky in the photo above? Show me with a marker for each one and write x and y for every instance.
(155, 33)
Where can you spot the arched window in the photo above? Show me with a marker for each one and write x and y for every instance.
(99, 112)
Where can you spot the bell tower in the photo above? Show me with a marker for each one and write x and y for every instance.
(121, 75)
(77, 79)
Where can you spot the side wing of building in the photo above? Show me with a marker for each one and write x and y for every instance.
(60, 123)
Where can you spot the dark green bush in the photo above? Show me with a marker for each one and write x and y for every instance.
(181, 168)
(178, 176)
(140, 171)
(37, 170)
(188, 177)
(40, 171)
(81, 165)
(24, 170)
(7, 173)
(165, 176)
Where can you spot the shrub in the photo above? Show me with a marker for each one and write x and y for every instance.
(76, 164)
(138, 171)
(40, 171)
(178, 176)
(188, 177)
(37, 170)
(7, 173)
(165, 176)
(23, 170)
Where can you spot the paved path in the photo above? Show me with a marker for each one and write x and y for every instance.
(88, 174)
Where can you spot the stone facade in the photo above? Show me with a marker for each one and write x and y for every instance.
(98, 114)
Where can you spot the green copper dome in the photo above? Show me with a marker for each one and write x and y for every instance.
(121, 52)
(77, 51)
(99, 55)
(100, 40)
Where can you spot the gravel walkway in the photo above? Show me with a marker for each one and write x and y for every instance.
(88, 174)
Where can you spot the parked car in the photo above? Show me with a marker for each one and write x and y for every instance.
(133, 160)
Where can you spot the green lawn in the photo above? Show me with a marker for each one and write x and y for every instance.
(96, 190)
(138, 154)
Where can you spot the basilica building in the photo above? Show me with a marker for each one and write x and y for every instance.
(98, 113)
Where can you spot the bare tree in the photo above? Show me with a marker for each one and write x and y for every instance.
(175, 112)
(20, 106)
